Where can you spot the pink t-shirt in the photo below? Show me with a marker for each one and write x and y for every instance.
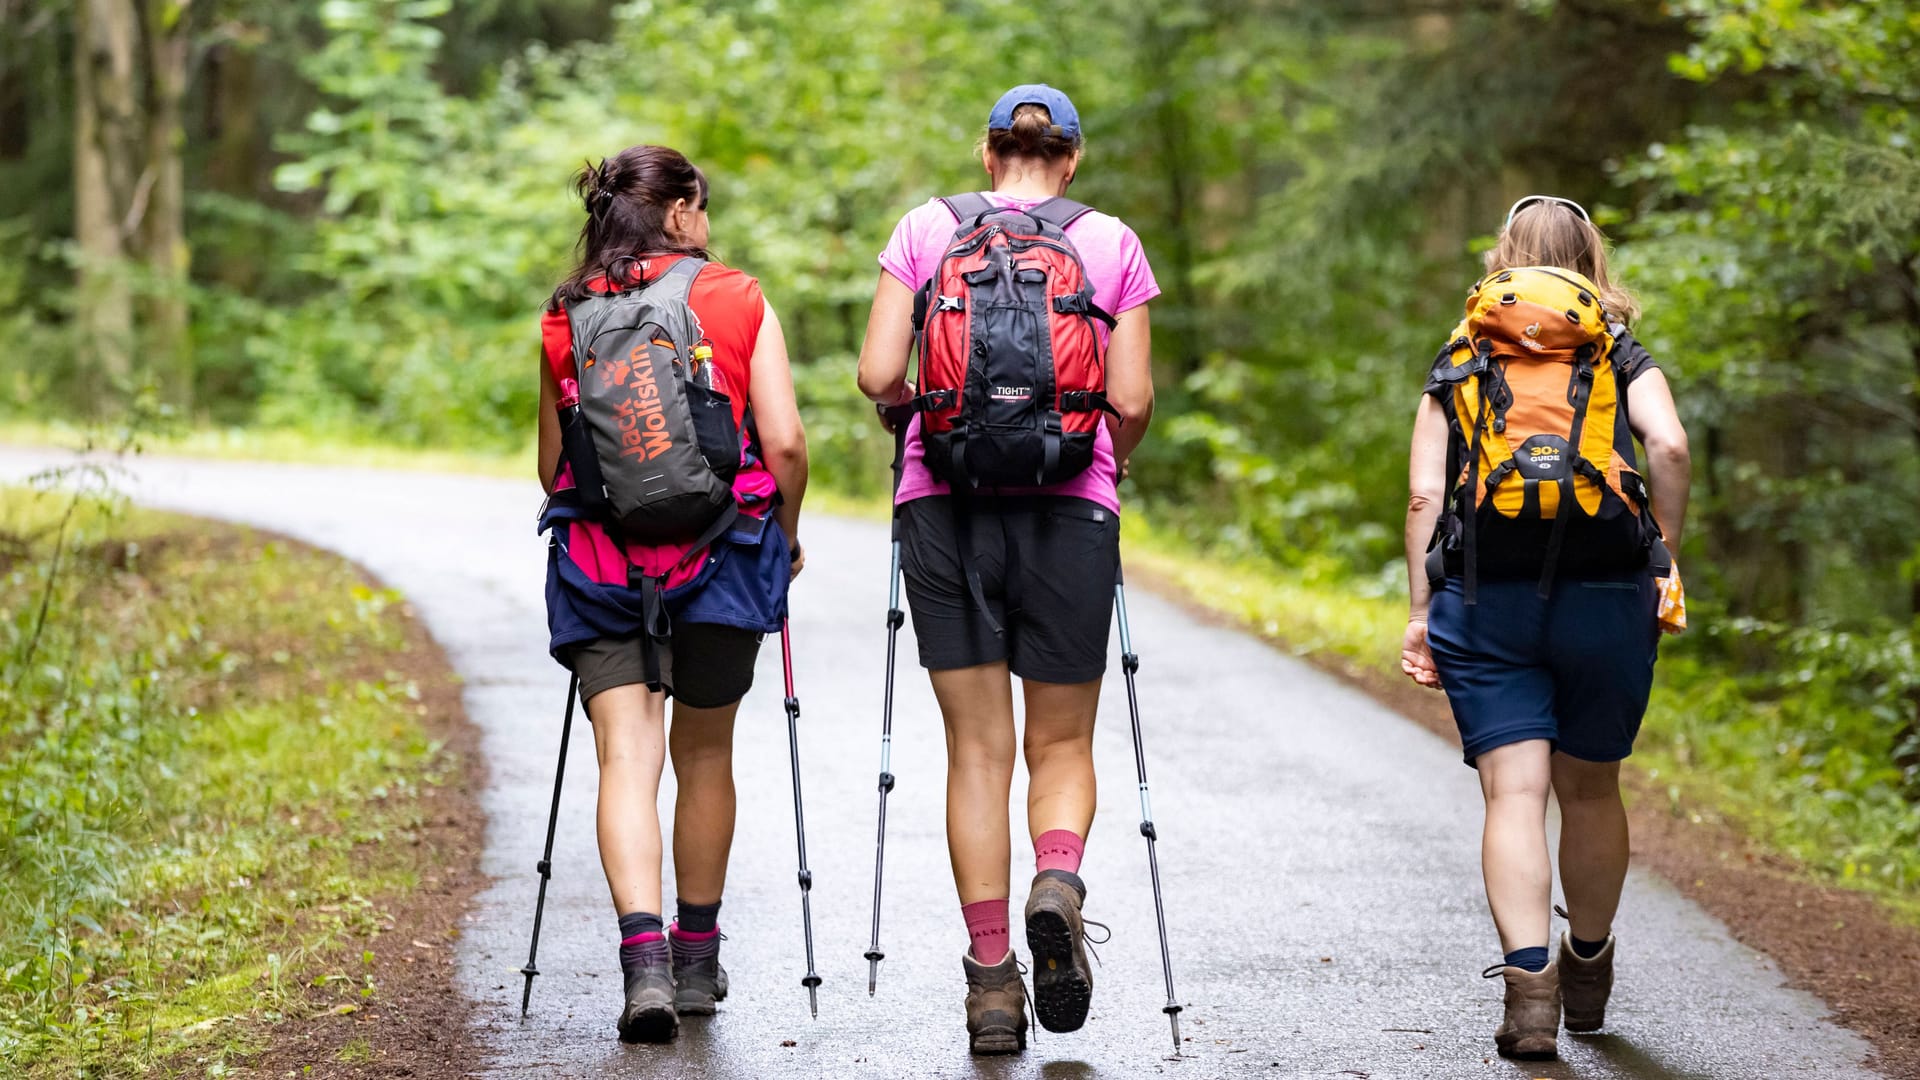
(1122, 281)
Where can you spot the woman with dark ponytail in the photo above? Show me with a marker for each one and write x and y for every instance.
(640, 620)
(1016, 579)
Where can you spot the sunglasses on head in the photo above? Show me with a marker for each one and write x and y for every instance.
(1532, 199)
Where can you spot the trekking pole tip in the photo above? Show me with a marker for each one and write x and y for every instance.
(1173, 1018)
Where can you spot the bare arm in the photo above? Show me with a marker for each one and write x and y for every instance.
(889, 343)
(783, 441)
(548, 455)
(1130, 381)
(1656, 423)
(1426, 496)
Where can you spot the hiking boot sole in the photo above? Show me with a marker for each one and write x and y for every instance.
(996, 1041)
(691, 1002)
(649, 1024)
(1062, 985)
(1529, 1048)
(1585, 1025)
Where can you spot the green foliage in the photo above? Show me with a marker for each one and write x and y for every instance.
(1310, 180)
(198, 731)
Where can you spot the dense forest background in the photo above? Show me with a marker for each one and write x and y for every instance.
(340, 217)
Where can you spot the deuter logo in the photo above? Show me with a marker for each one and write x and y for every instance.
(1013, 393)
(642, 420)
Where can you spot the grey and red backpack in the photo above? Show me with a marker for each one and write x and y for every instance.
(1013, 373)
(651, 441)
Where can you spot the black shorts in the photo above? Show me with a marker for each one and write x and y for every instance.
(707, 665)
(1047, 566)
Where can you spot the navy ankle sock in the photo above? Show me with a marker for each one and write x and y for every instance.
(1533, 958)
(1586, 950)
(645, 953)
(697, 918)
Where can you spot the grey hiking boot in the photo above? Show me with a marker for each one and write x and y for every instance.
(996, 1006)
(699, 980)
(1585, 984)
(1530, 1030)
(649, 1015)
(1062, 981)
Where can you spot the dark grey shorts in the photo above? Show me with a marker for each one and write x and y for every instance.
(1047, 565)
(707, 665)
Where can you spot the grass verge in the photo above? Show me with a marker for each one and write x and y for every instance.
(1796, 752)
(286, 446)
(220, 778)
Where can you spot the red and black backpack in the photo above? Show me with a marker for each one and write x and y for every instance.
(1013, 374)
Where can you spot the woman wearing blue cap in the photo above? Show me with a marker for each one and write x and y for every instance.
(1015, 577)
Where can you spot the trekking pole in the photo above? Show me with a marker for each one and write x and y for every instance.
(895, 617)
(1130, 663)
(545, 865)
(812, 979)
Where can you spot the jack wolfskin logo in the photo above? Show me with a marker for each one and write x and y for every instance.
(642, 421)
(1013, 393)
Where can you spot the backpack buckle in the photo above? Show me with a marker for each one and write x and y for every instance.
(951, 303)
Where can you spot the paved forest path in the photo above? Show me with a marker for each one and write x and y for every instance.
(1320, 852)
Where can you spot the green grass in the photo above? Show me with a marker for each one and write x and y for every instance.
(1786, 734)
(286, 445)
(208, 766)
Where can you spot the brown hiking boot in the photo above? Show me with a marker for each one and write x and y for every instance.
(649, 1015)
(1585, 984)
(1062, 981)
(996, 1006)
(1530, 1029)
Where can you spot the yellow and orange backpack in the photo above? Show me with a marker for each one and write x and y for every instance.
(1539, 433)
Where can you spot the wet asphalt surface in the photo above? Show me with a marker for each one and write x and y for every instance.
(1320, 853)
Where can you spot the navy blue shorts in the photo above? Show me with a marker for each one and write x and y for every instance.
(1574, 669)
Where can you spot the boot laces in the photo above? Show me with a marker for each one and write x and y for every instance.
(1091, 941)
(1026, 999)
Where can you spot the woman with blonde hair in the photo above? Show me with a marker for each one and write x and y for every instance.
(1533, 547)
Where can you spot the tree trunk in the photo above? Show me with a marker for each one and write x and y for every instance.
(106, 146)
(163, 226)
(1907, 742)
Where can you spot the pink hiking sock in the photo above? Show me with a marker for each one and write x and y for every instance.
(989, 929)
(1058, 849)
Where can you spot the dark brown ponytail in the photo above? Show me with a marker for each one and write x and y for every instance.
(1033, 136)
(627, 198)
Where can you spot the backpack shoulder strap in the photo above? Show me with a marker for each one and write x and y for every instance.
(969, 205)
(1060, 211)
(677, 280)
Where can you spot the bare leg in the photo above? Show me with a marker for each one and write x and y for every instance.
(1593, 843)
(630, 741)
(701, 742)
(1513, 849)
(1059, 749)
(977, 704)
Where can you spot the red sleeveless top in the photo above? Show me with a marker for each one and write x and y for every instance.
(730, 309)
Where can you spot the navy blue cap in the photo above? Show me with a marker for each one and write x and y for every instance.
(1065, 116)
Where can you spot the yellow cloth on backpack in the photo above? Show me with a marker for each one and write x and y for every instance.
(1673, 602)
